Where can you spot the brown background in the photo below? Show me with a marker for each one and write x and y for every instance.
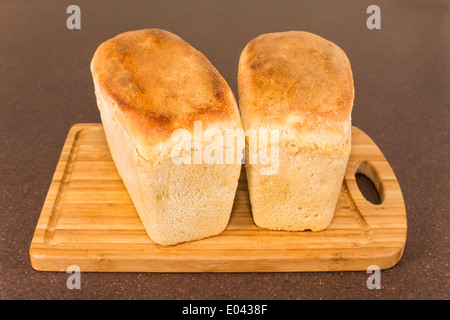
(402, 101)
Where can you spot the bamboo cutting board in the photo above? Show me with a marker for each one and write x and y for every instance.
(88, 220)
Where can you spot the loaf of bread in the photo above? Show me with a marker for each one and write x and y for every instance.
(302, 86)
(150, 83)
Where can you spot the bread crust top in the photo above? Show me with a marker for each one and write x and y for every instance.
(154, 83)
(299, 81)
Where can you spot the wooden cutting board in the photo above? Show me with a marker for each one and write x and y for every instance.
(88, 220)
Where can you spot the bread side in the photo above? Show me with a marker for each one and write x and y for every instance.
(301, 85)
(302, 195)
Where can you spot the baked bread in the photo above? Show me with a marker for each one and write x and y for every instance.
(148, 84)
(301, 85)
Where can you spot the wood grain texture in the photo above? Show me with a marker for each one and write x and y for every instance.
(88, 220)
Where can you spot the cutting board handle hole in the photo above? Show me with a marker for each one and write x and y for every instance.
(369, 183)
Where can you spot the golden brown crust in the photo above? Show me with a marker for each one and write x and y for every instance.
(295, 74)
(155, 83)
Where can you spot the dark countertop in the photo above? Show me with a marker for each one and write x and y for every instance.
(402, 80)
